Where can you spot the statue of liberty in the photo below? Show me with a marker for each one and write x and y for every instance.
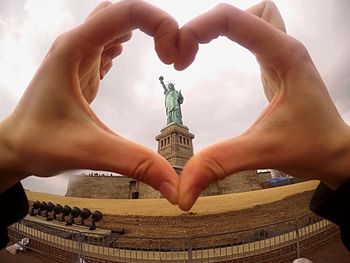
(173, 100)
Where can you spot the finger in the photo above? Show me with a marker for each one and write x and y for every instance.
(98, 8)
(268, 11)
(120, 18)
(124, 38)
(120, 40)
(240, 26)
(106, 58)
(187, 48)
(110, 53)
(105, 69)
(221, 160)
(103, 150)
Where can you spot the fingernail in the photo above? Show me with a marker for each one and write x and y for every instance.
(102, 73)
(190, 199)
(169, 192)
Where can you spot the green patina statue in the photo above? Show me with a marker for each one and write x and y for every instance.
(173, 100)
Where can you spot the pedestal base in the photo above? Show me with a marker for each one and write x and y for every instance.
(175, 145)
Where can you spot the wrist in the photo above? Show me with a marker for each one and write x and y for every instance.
(338, 169)
(10, 170)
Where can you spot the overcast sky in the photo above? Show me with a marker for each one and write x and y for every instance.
(222, 90)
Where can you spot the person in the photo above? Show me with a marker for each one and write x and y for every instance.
(300, 132)
(53, 129)
(173, 101)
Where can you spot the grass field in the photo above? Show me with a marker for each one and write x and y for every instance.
(160, 207)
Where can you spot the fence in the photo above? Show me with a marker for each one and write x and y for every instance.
(278, 242)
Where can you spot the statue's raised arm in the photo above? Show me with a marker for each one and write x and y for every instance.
(161, 78)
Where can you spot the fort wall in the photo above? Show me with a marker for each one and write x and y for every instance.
(121, 187)
(113, 187)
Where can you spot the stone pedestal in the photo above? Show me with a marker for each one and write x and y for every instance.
(175, 145)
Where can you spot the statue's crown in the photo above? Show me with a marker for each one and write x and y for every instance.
(171, 83)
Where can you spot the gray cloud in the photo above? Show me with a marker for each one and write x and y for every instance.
(119, 103)
(11, 8)
(216, 111)
(216, 107)
(323, 27)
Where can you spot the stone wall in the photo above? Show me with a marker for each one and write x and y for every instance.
(240, 182)
(121, 187)
(113, 187)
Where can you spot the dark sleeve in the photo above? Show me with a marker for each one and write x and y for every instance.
(14, 206)
(334, 206)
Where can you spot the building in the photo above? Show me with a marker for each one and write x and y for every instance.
(175, 144)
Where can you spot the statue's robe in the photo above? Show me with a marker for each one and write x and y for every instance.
(173, 99)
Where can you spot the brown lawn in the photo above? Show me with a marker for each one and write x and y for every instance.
(160, 207)
(214, 214)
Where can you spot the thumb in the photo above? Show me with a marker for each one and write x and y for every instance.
(110, 152)
(219, 161)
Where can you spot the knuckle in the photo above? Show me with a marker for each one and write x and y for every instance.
(222, 7)
(288, 52)
(298, 51)
(211, 166)
(62, 44)
(106, 3)
(269, 3)
(142, 169)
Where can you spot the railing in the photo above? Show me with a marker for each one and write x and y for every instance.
(279, 242)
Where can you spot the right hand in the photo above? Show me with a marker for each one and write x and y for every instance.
(300, 132)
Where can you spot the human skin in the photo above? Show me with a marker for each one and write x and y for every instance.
(53, 128)
(300, 132)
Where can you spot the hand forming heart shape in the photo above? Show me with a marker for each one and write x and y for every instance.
(53, 128)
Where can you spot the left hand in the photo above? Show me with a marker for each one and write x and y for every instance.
(53, 127)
